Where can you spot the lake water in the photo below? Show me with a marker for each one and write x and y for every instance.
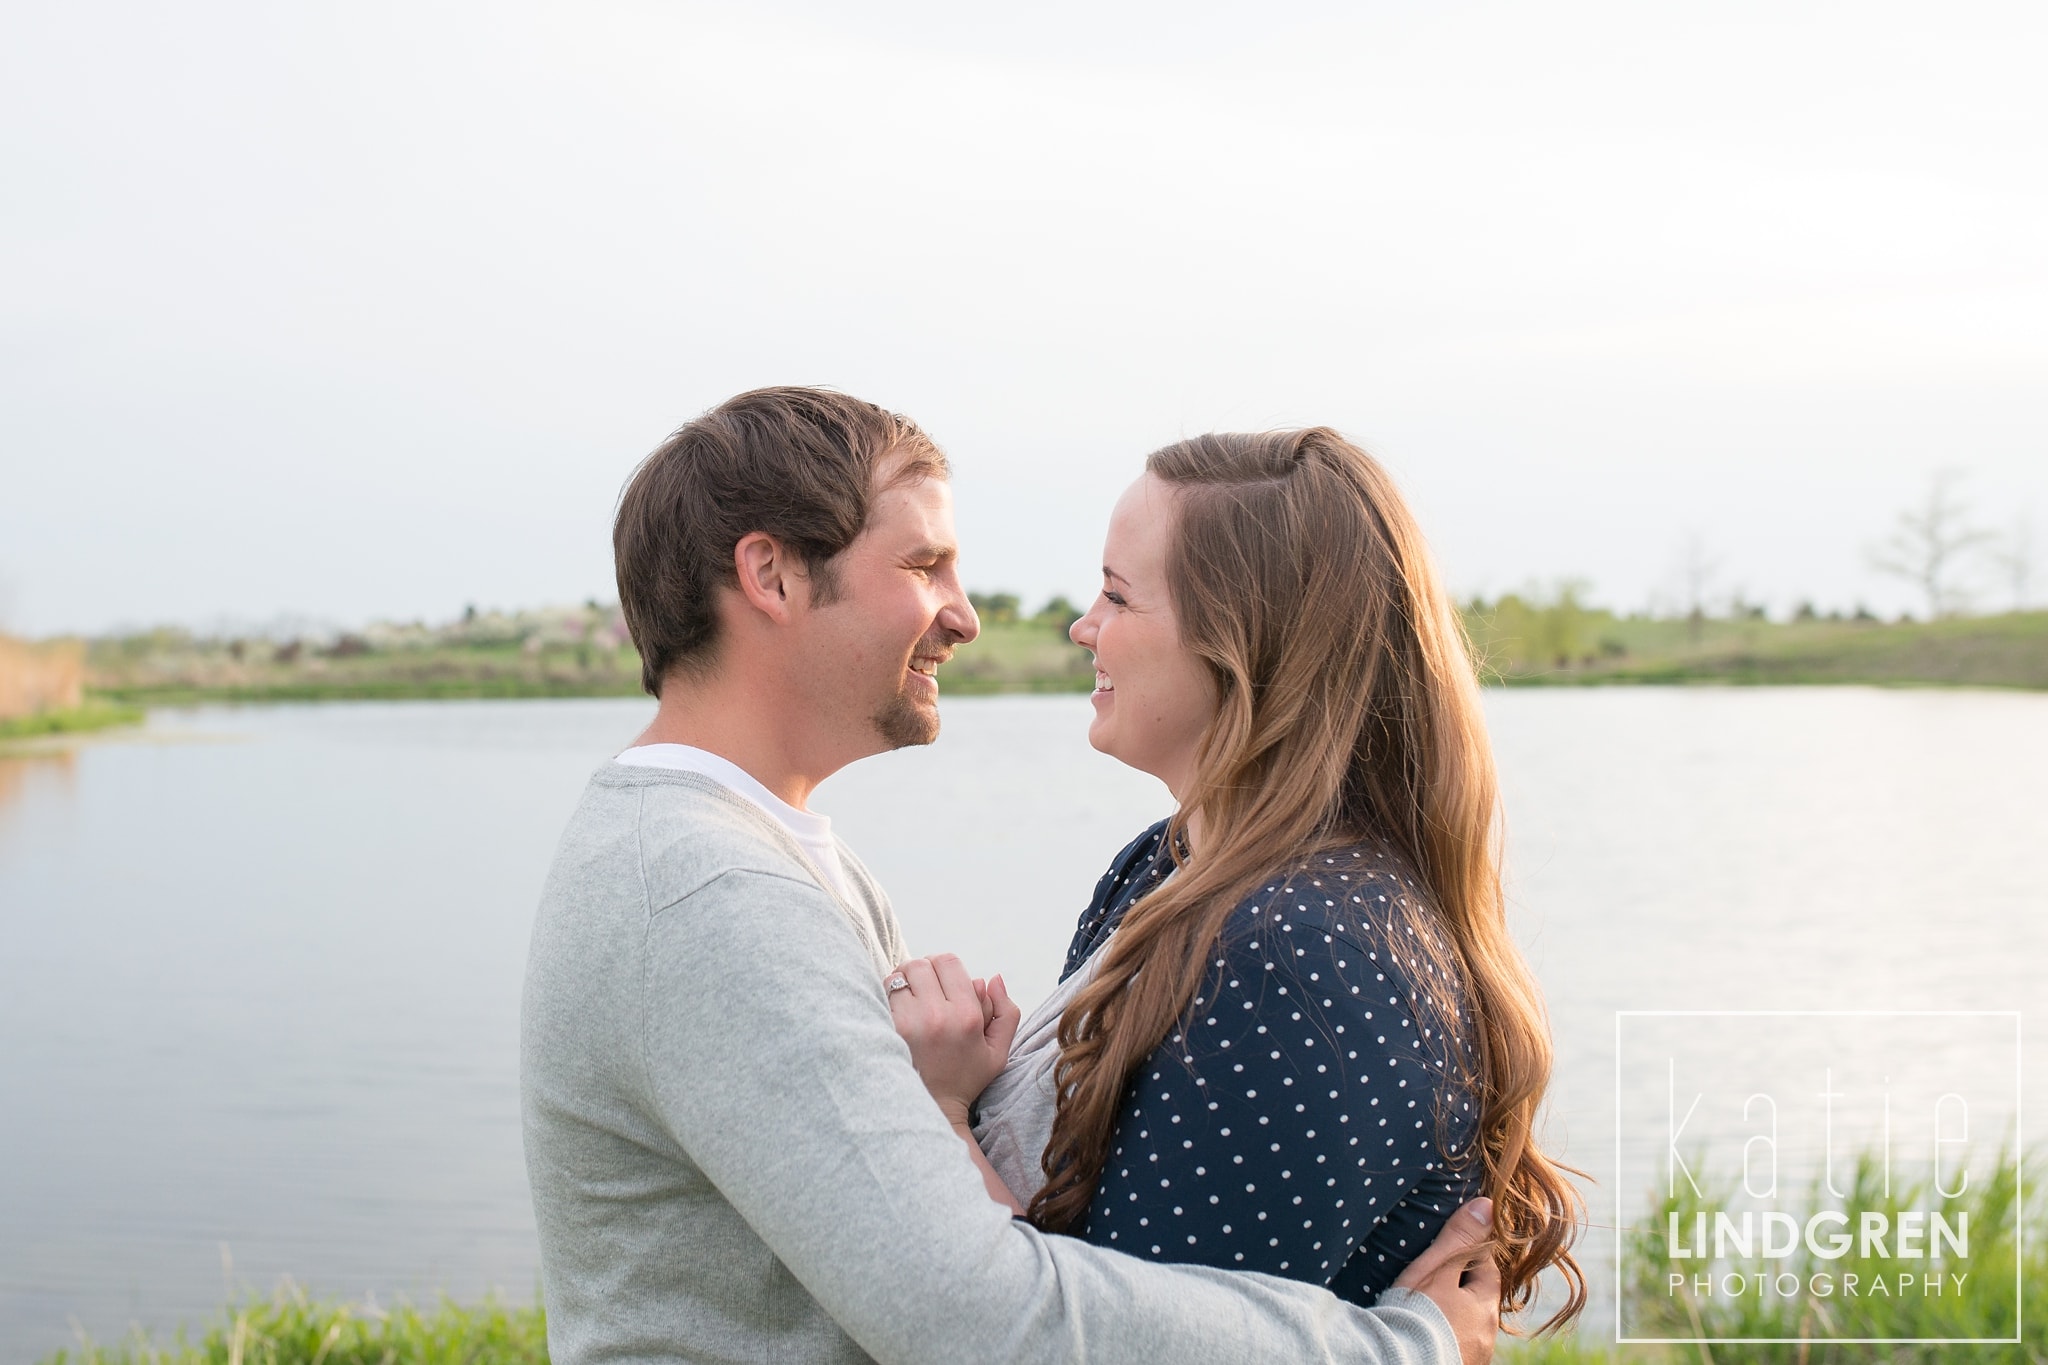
(259, 968)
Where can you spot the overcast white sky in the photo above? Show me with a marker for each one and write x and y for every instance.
(366, 310)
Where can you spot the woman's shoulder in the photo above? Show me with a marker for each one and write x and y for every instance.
(1356, 890)
(1339, 936)
(1357, 898)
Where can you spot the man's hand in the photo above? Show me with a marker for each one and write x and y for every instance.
(959, 1029)
(1458, 1274)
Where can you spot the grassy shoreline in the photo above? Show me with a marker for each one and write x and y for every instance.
(94, 714)
(292, 1328)
(2009, 1238)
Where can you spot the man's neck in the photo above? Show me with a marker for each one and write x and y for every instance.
(738, 726)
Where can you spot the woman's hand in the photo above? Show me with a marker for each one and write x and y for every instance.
(959, 1030)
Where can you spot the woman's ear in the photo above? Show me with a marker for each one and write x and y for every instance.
(767, 572)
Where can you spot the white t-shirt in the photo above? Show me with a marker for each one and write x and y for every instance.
(813, 832)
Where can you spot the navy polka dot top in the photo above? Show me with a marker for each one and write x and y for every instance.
(1305, 1118)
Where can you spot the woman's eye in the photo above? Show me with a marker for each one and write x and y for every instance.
(1113, 598)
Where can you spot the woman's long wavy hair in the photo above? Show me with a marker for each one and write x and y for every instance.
(1349, 709)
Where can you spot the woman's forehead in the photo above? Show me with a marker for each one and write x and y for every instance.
(1139, 527)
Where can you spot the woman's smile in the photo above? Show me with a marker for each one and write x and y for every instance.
(1135, 639)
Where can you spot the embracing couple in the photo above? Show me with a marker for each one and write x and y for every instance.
(1280, 1105)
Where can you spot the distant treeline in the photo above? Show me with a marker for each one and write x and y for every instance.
(1007, 609)
(1519, 639)
(552, 652)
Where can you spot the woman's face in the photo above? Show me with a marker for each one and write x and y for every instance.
(1153, 698)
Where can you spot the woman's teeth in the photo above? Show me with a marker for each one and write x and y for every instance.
(1102, 682)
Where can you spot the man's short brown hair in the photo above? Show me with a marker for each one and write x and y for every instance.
(801, 465)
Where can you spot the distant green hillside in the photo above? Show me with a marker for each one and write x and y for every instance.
(1019, 656)
(1564, 644)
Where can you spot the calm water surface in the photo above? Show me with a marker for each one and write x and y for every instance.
(259, 968)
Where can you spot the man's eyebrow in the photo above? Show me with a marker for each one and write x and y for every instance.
(935, 550)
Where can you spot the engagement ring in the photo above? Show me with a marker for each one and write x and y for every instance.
(898, 982)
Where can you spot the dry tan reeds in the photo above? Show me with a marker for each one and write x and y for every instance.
(40, 677)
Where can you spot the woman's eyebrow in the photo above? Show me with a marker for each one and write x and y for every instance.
(1108, 572)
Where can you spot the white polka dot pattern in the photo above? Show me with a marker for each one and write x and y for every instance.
(1307, 1118)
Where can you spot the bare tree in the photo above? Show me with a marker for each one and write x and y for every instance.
(2014, 556)
(1697, 567)
(1928, 542)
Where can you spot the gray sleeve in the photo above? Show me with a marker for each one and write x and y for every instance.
(771, 1060)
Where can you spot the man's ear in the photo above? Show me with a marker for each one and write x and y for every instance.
(769, 575)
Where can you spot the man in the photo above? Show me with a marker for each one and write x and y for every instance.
(731, 1155)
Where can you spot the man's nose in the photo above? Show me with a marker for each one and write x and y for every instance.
(960, 620)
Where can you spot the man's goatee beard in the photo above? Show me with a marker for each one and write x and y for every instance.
(903, 722)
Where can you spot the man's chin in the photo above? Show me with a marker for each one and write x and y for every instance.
(906, 721)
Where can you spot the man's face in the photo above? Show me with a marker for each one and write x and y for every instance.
(873, 649)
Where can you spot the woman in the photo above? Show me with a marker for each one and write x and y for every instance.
(1294, 1034)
